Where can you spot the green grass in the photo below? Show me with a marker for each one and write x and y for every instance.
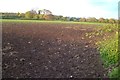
(114, 73)
(109, 49)
(45, 21)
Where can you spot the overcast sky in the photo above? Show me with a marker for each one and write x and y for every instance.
(70, 8)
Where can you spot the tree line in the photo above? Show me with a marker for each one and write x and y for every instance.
(47, 15)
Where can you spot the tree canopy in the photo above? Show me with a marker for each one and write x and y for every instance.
(47, 15)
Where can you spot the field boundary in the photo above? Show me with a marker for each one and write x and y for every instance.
(48, 21)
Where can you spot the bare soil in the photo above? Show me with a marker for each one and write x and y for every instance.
(43, 50)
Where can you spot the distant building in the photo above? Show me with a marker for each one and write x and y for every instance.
(44, 11)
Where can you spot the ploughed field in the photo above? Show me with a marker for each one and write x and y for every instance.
(50, 50)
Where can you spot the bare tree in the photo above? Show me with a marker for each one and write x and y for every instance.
(46, 12)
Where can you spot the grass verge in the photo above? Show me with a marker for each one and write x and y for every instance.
(46, 21)
(109, 52)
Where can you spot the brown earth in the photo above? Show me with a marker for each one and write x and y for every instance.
(42, 50)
